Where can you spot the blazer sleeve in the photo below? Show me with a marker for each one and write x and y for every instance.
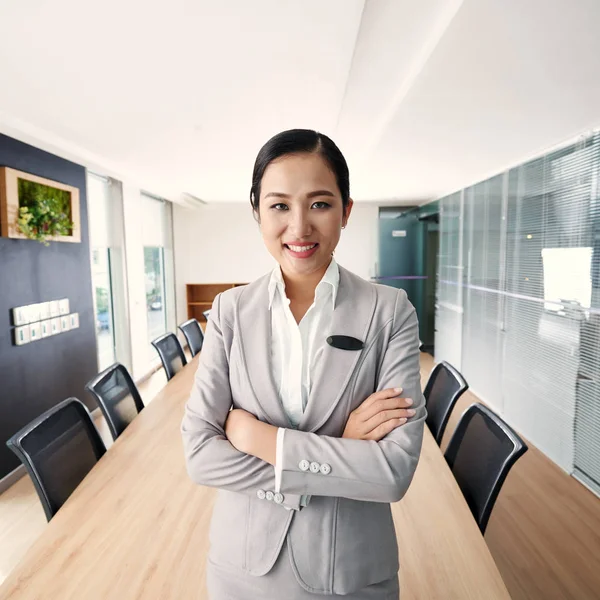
(361, 469)
(210, 459)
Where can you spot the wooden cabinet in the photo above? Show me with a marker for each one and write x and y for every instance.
(200, 297)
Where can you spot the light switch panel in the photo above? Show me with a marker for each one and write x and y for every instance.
(74, 320)
(44, 310)
(55, 326)
(65, 323)
(22, 335)
(19, 316)
(54, 308)
(35, 332)
(64, 306)
(46, 328)
(33, 313)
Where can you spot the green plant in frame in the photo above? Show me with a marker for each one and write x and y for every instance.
(44, 211)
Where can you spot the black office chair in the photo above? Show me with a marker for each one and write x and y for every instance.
(117, 396)
(206, 313)
(171, 354)
(444, 387)
(481, 452)
(58, 449)
(193, 334)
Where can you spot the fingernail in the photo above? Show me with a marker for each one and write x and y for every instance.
(408, 401)
(397, 390)
(410, 412)
(402, 421)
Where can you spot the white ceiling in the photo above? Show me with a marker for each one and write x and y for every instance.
(422, 97)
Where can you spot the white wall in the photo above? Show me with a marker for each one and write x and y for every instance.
(222, 244)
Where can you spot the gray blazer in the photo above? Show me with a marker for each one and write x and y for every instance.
(344, 539)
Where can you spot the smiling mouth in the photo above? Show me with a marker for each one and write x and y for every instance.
(304, 248)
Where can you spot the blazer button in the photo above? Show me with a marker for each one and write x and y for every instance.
(269, 496)
(315, 467)
(325, 469)
(278, 498)
(304, 465)
(261, 494)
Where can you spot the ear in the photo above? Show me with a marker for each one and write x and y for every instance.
(347, 212)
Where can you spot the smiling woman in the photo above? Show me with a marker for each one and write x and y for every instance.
(322, 436)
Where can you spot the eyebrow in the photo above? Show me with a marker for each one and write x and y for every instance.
(309, 195)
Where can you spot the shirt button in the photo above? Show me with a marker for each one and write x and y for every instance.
(278, 498)
(269, 496)
(314, 467)
(304, 465)
(260, 494)
(325, 469)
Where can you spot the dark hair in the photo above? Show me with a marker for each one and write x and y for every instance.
(295, 141)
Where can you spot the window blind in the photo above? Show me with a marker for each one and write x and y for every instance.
(530, 300)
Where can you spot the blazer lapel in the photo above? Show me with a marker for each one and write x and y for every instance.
(352, 316)
(254, 326)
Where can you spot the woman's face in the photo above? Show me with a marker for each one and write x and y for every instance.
(301, 213)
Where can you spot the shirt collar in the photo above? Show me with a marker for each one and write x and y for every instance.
(330, 281)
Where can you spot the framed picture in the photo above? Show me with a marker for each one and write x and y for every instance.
(22, 191)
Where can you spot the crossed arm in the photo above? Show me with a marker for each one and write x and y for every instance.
(373, 461)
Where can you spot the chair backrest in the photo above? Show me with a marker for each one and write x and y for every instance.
(193, 334)
(117, 396)
(481, 452)
(58, 449)
(171, 354)
(444, 387)
(206, 313)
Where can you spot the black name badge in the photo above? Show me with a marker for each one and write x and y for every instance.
(345, 342)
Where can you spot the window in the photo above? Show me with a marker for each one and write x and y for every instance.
(105, 214)
(158, 269)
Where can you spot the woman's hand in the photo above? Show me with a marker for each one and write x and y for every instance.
(238, 429)
(379, 414)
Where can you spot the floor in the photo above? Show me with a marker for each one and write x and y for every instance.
(544, 532)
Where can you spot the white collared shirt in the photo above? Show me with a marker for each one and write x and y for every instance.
(296, 348)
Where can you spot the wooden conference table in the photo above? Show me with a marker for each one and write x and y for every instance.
(137, 527)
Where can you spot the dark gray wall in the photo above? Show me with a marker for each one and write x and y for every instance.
(37, 376)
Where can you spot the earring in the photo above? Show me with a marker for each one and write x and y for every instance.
(343, 227)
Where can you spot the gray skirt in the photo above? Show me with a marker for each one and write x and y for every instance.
(280, 583)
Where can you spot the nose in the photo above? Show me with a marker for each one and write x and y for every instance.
(299, 224)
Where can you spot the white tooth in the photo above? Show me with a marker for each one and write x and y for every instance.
(301, 248)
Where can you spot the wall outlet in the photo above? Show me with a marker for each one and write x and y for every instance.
(74, 320)
(22, 335)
